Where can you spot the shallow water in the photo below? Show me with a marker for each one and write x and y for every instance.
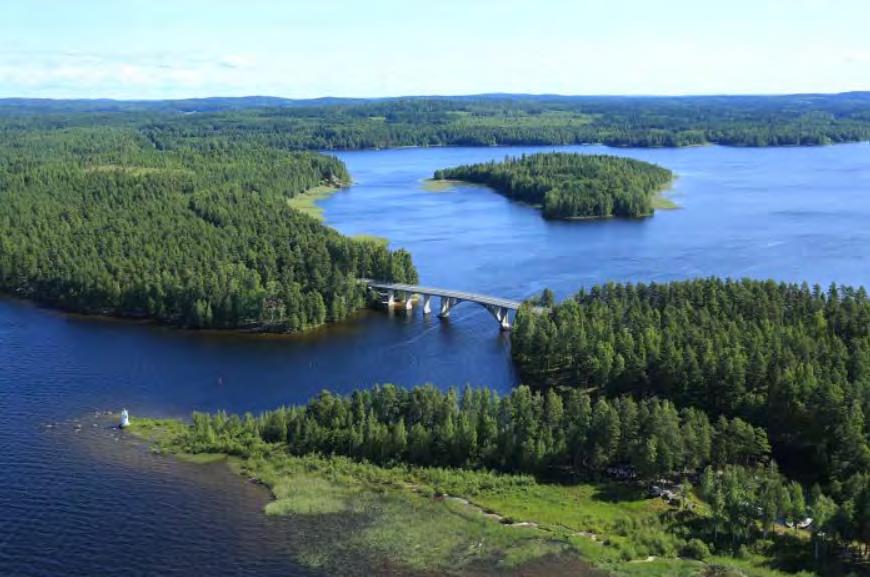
(84, 503)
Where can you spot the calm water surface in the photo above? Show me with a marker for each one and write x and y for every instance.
(83, 501)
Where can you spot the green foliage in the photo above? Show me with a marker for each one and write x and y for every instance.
(410, 515)
(571, 185)
(788, 359)
(784, 367)
(357, 516)
(525, 432)
(696, 549)
(324, 124)
(99, 220)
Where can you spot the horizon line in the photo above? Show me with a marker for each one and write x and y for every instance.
(434, 96)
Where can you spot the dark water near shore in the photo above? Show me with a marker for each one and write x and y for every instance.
(85, 503)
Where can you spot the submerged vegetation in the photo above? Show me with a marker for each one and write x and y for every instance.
(100, 220)
(571, 185)
(440, 481)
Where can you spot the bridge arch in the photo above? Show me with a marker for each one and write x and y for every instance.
(393, 293)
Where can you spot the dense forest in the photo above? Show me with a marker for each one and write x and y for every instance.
(791, 359)
(523, 432)
(483, 120)
(553, 434)
(571, 185)
(99, 220)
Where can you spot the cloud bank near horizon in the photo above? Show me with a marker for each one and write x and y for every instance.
(193, 48)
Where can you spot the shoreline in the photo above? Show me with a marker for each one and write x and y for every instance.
(333, 151)
(404, 504)
(659, 201)
(458, 521)
(348, 323)
(306, 202)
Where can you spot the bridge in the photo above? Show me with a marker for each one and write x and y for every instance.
(404, 294)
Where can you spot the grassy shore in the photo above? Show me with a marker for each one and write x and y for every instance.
(443, 185)
(372, 238)
(307, 201)
(662, 202)
(417, 520)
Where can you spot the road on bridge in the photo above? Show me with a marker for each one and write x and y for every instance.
(447, 293)
(498, 307)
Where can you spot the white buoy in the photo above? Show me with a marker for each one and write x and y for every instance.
(125, 419)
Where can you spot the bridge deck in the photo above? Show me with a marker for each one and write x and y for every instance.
(461, 295)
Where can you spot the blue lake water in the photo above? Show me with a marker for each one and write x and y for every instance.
(82, 501)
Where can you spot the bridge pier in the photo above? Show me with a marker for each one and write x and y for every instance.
(403, 294)
(447, 303)
(502, 316)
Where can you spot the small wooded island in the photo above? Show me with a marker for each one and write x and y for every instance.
(570, 186)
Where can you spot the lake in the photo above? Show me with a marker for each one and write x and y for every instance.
(79, 499)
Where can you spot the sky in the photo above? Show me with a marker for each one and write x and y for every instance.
(150, 49)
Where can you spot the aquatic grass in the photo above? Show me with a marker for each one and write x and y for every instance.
(160, 433)
(307, 495)
(201, 458)
(662, 202)
(433, 185)
(379, 240)
(426, 533)
(358, 518)
(307, 201)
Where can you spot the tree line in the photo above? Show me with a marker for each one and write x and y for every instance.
(344, 124)
(98, 220)
(548, 433)
(571, 185)
(792, 359)
(555, 434)
(746, 503)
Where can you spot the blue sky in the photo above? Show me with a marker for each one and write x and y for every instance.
(193, 48)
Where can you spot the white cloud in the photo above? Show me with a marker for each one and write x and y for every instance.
(73, 73)
(857, 56)
(236, 61)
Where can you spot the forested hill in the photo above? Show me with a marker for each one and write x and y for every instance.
(99, 220)
(483, 120)
(792, 359)
(571, 185)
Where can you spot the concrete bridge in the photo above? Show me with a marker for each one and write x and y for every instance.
(392, 293)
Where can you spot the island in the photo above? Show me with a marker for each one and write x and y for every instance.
(571, 186)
